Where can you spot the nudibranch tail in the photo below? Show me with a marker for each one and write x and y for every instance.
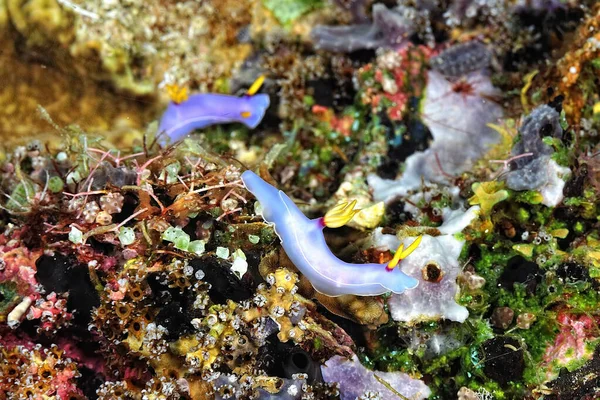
(266, 194)
(401, 253)
(340, 215)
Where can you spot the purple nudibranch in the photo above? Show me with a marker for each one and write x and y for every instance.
(202, 110)
(303, 241)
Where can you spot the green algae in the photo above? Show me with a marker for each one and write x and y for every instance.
(8, 297)
(286, 11)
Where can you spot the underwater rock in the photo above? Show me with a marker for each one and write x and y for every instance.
(532, 168)
(106, 174)
(27, 369)
(191, 295)
(519, 270)
(286, 360)
(59, 273)
(466, 13)
(571, 346)
(42, 23)
(572, 272)
(225, 284)
(434, 299)
(357, 9)
(504, 360)
(457, 114)
(580, 383)
(390, 28)
(355, 381)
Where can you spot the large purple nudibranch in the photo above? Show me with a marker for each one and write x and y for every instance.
(303, 241)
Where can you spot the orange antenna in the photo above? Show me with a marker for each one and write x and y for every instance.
(178, 94)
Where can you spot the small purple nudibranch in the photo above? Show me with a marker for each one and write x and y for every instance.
(204, 109)
(303, 241)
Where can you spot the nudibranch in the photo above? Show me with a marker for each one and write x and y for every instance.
(304, 243)
(184, 114)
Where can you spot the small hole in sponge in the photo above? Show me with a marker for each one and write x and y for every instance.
(432, 272)
(300, 360)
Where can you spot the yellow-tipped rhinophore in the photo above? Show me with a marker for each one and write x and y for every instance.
(177, 93)
(340, 215)
(256, 85)
(401, 253)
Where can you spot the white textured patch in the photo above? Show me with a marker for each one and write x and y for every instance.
(239, 266)
(457, 220)
(355, 380)
(552, 191)
(432, 300)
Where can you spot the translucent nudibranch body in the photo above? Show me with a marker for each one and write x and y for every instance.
(303, 241)
(202, 110)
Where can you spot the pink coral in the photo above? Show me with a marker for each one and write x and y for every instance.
(19, 267)
(342, 125)
(394, 72)
(571, 344)
(51, 311)
(74, 352)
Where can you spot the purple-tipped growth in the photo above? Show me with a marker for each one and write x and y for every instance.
(202, 110)
(390, 29)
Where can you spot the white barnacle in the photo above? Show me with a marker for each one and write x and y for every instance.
(260, 300)
(292, 390)
(277, 311)
(14, 317)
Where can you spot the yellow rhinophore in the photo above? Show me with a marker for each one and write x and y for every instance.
(256, 85)
(178, 94)
(401, 253)
(528, 79)
(340, 215)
